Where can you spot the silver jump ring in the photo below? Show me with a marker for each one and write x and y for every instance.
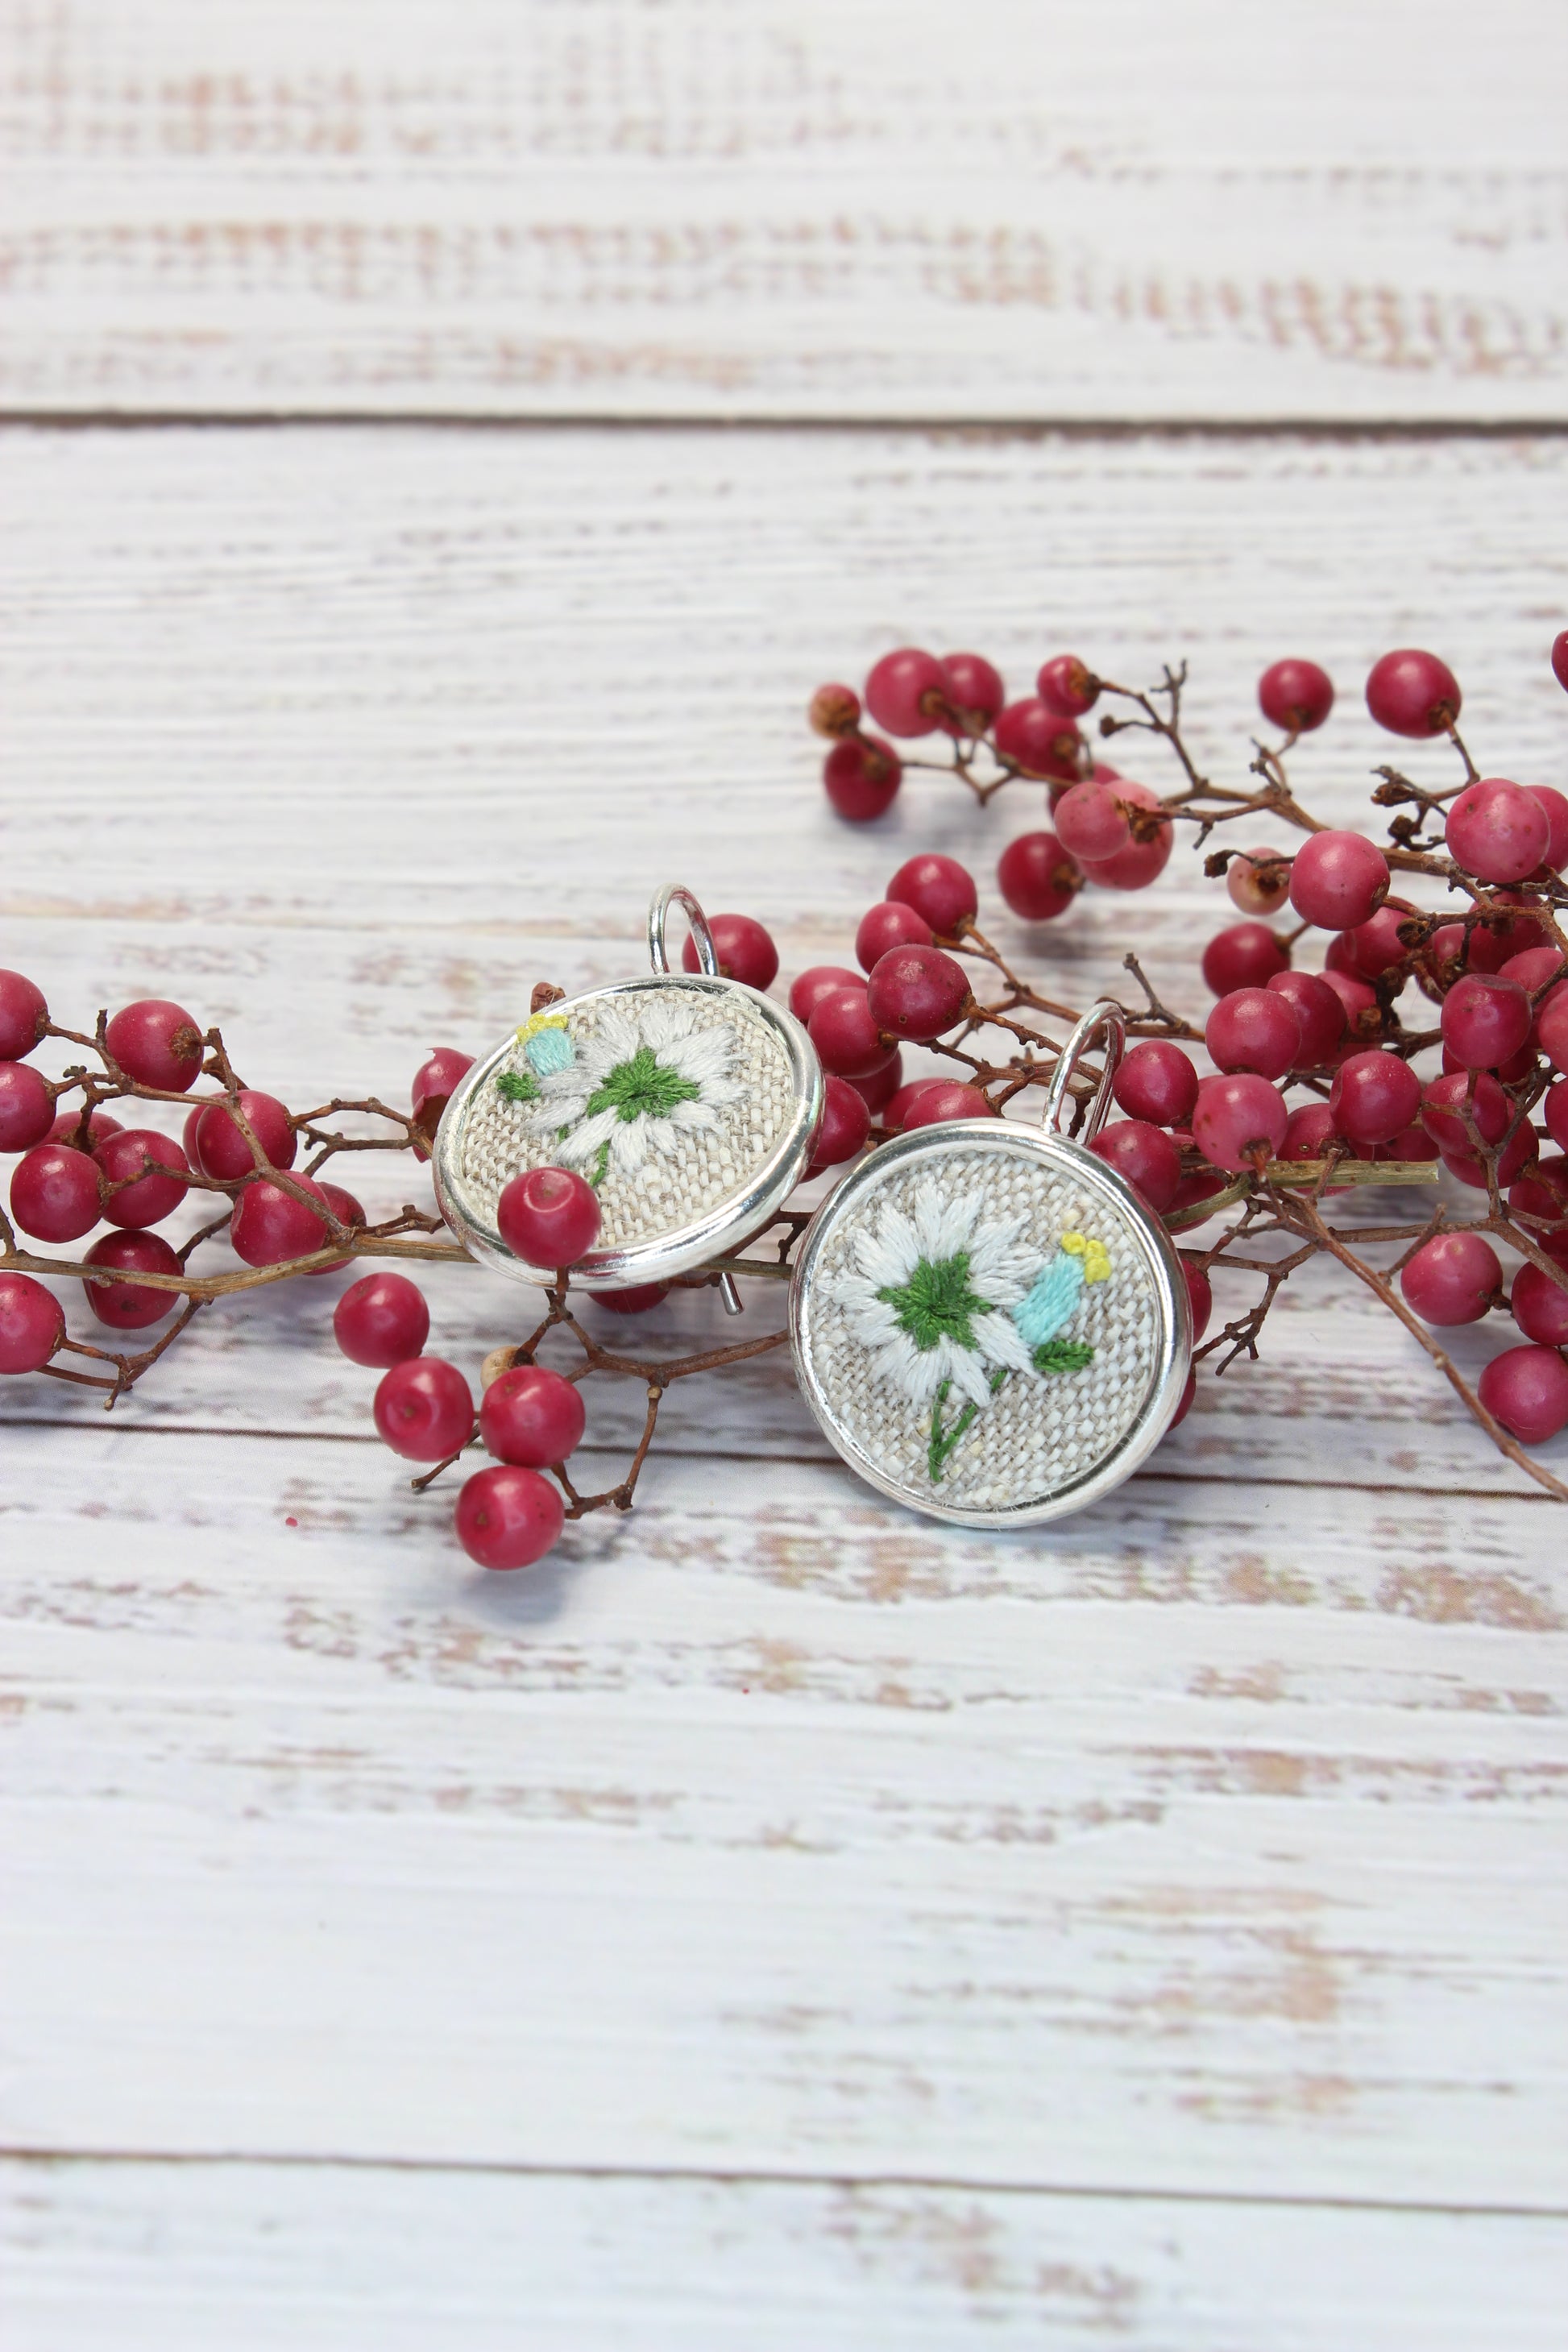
(1106, 1016)
(659, 916)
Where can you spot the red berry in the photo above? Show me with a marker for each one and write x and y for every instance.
(1145, 1155)
(1496, 830)
(434, 1081)
(846, 1122)
(68, 1129)
(1452, 950)
(380, 1320)
(637, 1298)
(270, 1224)
(1092, 822)
(1202, 1185)
(1447, 1102)
(549, 1217)
(56, 1193)
(944, 1099)
(24, 1016)
(1338, 880)
(1258, 881)
(974, 691)
(939, 890)
(1471, 1169)
(1527, 1390)
(221, 1150)
(1320, 1015)
(1310, 1134)
(1412, 693)
(348, 1211)
(1376, 946)
(1066, 687)
(26, 1107)
(1540, 1307)
(1037, 877)
(424, 1408)
(1555, 1104)
(1452, 1278)
(1157, 1081)
(1296, 695)
(1358, 1002)
(887, 925)
(1247, 955)
(531, 1416)
(1411, 1143)
(1254, 1029)
(1485, 1021)
(1237, 1117)
(835, 710)
(32, 1324)
(1037, 742)
(1147, 852)
(1200, 1298)
(1540, 1196)
(907, 692)
(1560, 658)
(1555, 857)
(156, 1044)
(508, 1516)
(132, 1305)
(1373, 1096)
(143, 1177)
(745, 952)
(1552, 1029)
(807, 992)
(880, 1088)
(1543, 973)
(1527, 929)
(917, 993)
(848, 1041)
(898, 1105)
(862, 775)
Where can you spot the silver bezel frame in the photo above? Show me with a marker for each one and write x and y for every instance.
(1173, 1307)
(723, 1227)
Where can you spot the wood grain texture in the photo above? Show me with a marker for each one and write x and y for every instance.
(795, 209)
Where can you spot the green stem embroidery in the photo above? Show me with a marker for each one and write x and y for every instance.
(517, 1087)
(943, 1441)
(602, 1160)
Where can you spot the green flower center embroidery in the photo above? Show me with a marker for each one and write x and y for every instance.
(644, 1087)
(937, 1302)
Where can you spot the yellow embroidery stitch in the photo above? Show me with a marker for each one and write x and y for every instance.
(1095, 1255)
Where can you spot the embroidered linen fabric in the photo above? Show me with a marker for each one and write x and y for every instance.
(711, 1098)
(1033, 1433)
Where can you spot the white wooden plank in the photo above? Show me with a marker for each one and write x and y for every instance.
(995, 210)
(772, 1832)
(260, 2257)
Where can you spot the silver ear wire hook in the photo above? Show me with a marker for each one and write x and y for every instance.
(674, 894)
(1106, 1016)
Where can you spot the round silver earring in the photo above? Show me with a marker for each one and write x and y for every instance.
(987, 1321)
(688, 1102)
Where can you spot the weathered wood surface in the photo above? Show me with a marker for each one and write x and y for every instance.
(797, 208)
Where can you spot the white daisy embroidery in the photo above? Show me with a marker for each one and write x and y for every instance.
(644, 1078)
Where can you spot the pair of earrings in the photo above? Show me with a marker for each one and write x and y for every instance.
(987, 1322)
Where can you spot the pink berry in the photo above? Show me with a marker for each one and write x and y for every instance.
(130, 1305)
(1066, 687)
(1555, 857)
(380, 1320)
(1543, 973)
(1338, 880)
(1540, 1306)
(1554, 1105)
(1527, 1390)
(270, 1224)
(1411, 1143)
(1254, 1029)
(1145, 856)
(32, 1324)
(24, 1016)
(1452, 1278)
(845, 1125)
(1485, 1021)
(1560, 658)
(1514, 1158)
(1373, 1096)
(877, 1091)
(1540, 1196)
(1446, 1104)
(1528, 927)
(434, 1081)
(143, 1177)
(424, 1408)
(156, 1044)
(26, 1107)
(1238, 1118)
(939, 888)
(549, 1217)
(1202, 1185)
(833, 710)
(1412, 693)
(1320, 1015)
(907, 692)
(69, 1128)
(1295, 695)
(1452, 950)
(1037, 742)
(807, 992)
(1258, 881)
(1145, 1155)
(1157, 1081)
(744, 949)
(945, 1100)
(508, 1516)
(1188, 1393)
(886, 926)
(1092, 822)
(637, 1298)
(898, 1105)
(1496, 830)
(1552, 1029)
(56, 1193)
(1246, 955)
(223, 1152)
(1311, 1134)
(862, 776)
(349, 1213)
(974, 693)
(917, 993)
(1037, 877)
(1376, 946)
(847, 1037)
(1200, 1298)
(531, 1416)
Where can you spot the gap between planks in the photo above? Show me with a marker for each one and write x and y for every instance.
(1550, 426)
